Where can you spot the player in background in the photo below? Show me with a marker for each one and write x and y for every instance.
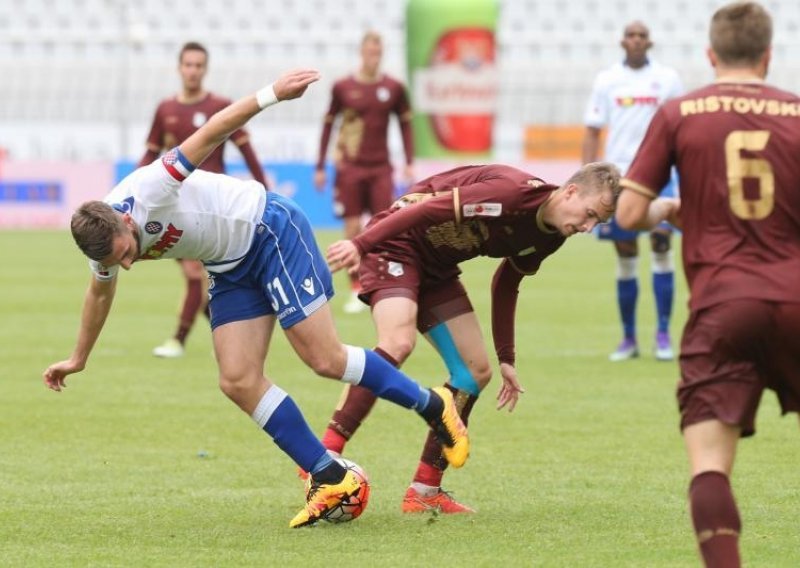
(736, 144)
(265, 268)
(364, 184)
(624, 98)
(175, 120)
(409, 257)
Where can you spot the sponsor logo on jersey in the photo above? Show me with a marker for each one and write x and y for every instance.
(636, 101)
(395, 268)
(308, 285)
(153, 227)
(168, 240)
(383, 94)
(288, 311)
(483, 209)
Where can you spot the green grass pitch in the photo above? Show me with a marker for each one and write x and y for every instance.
(143, 462)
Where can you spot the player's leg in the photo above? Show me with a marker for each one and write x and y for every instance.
(242, 327)
(724, 351)
(351, 194)
(663, 269)
(394, 313)
(193, 301)
(299, 285)
(316, 342)
(711, 446)
(460, 343)
(627, 251)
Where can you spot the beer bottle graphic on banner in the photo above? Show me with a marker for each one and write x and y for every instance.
(451, 69)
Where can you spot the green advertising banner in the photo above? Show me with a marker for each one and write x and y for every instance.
(452, 76)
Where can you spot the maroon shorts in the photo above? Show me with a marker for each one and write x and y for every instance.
(362, 189)
(730, 353)
(390, 276)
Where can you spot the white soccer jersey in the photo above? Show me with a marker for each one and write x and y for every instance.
(625, 100)
(209, 217)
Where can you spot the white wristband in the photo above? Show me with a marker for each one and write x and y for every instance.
(266, 97)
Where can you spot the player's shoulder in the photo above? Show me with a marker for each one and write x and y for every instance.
(390, 81)
(611, 73)
(217, 101)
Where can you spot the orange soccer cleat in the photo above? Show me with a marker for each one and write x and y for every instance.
(441, 501)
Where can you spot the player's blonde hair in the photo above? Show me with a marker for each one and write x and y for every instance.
(600, 177)
(371, 35)
(740, 33)
(94, 226)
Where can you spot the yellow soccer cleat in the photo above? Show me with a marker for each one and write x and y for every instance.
(322, 497)
(450, 430)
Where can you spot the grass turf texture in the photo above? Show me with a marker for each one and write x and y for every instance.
(143, 462)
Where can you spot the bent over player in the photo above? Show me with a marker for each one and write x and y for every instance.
(409, 257)
(736, 145)
(265, 267)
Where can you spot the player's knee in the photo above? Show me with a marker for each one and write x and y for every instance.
(324, 364)
(399, 348)
(626, 249)
(482, 375)
(237, 385)
(660, 241)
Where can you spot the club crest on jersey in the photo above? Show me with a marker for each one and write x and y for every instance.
(483, 209)
(153, 227)
(198, 119)
(168, 240)
(308, 286)
(395, 269)
(383, 94)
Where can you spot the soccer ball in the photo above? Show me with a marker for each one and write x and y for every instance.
(355, 504)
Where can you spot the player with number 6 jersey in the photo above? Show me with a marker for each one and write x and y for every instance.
(736, 145)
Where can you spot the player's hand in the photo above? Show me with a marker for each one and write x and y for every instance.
(294, 83)
(673, 206)
(320, 177)
(510, 389)
(56, 374)
(343, 254)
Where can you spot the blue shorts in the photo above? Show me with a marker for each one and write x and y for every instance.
(612, 232)
(283, 274)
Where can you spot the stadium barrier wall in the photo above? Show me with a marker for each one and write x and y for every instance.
(43, 195)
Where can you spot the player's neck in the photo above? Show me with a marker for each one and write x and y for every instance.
(636, 63)
(190, 97)
(368, 76)
(738, 75)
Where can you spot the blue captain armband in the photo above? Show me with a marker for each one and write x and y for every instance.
(177, 165)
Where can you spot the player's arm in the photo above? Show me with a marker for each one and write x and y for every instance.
(155, 140)
(404, 116)
(590, 146)
(221, 125)
(96, 306)
(242, 141)
(639, 206)
(505, 291)
(325, 138)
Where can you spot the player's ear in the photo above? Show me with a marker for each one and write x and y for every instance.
(128, 220)
(712, 57)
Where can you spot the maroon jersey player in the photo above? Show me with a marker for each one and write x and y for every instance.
(409, 257)
(736, 145)
(364, 184)
(175, 120)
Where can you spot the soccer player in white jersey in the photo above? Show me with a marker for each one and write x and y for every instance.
(264, 267)
(624, 98)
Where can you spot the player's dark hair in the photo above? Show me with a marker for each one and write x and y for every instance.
(598, 177)
(740, 33)
(192, 46)
(94, 226)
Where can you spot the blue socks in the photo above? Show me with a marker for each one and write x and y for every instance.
(663, 288)
(627, 293)
(278, 416)
(371, 371)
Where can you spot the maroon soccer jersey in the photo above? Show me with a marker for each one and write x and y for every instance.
(366, 109)
(175, 121)
(467, 212)
(740, 201)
